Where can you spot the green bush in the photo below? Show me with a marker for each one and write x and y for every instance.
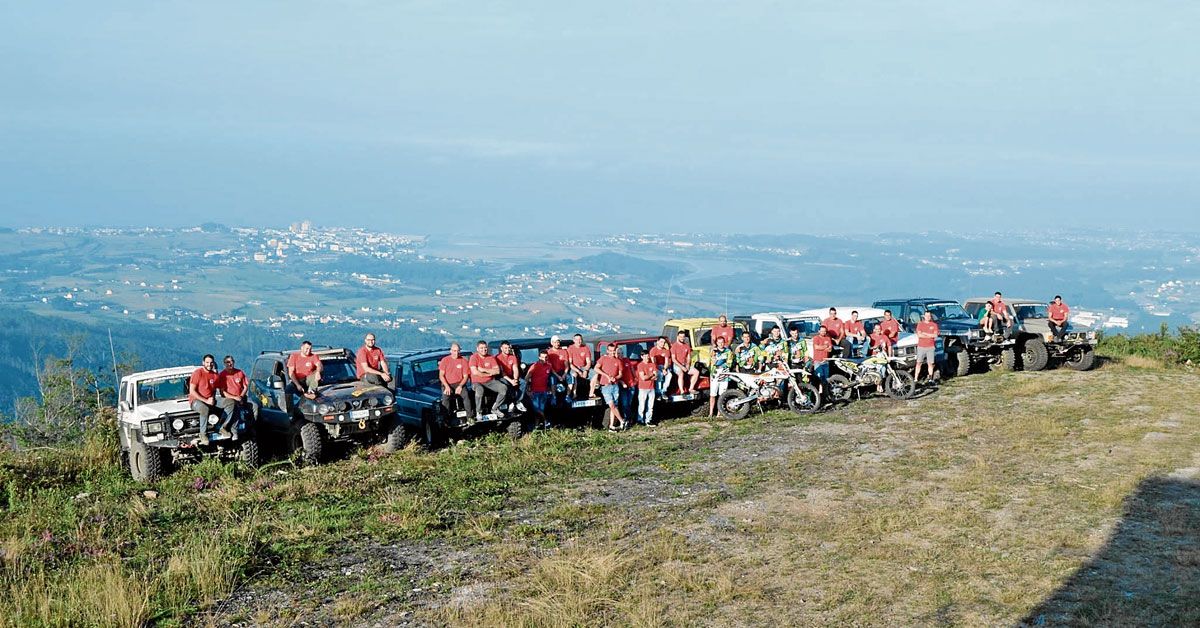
(1181, 347)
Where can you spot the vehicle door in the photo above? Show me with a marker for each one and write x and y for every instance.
(269, 392)
(418, 385)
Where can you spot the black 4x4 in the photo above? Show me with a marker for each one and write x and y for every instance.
(345, 409)
(961, 335)
(419, 412)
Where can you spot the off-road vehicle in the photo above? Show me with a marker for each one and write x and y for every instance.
(420, 416)
(962, 338)
(809, 321)
(699, 334)
(345, 409)
(159, 428)
(1028, 344)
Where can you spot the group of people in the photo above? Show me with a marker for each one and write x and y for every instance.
(994, 317)
(206, 382)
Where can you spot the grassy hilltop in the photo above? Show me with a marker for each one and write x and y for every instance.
(1047, 498)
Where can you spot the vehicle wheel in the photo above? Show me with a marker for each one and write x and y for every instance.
(729, 411)
(250, 454)
(1008, 359)
(1035, 356)
(146, 464)
(399, 437)
(804, 399)
(312, 441)
(514, 430)
(959, 361)
(1082, 360)
(900, 385)
(839, 389)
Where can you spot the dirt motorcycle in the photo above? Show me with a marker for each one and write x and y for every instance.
(849, 378)
(743, 390)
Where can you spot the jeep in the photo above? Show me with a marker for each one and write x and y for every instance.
(961, 335)
(159, 428)
(345, 409)
(1028, 344)
(420, 416)
(809, 321)
(699, 334)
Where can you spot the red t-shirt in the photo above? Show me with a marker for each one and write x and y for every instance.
(681, 353)
(508, 364)
(1059, 312)
(453, 369)
(927, 327)
(659, 356)
(891, 327)
(610, 369)
(822, 345)
(539, 377)
(303, 365)
(205, 382)
(369, 357)
(482, 362)
(878, 339)
(835, 327)
(232, 382)
(557, 359)
(646, 369)
(854, 327)
(725, 332)
(628, 376)
(580, 355)
(998, 307)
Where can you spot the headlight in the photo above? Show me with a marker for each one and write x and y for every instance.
(324, 408)
(343, 406)
(212, 419)
(1091, 335)
(177, 424)
(387, 400)
(156, 426)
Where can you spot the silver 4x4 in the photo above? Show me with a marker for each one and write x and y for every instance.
(159, 428)
(1028, 344)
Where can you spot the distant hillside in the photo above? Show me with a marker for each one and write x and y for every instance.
(614, 264)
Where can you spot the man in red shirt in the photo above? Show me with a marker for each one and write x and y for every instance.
(927, 333)
(646, 374)
(202, 391)
(510, 373)
(629, 383)
(1058, 317)
(557, 357)
(682, 363)
(608, 372)
(723, 330)
(231, 381)
(452, 374)
(837, 331)
(822, 345)
(484, 370)
(304, 370)
(880, 342)
(1000, 312)
(369, 363)
(579, 366)
(856, 335)
(661, 356)
(890, 327)
(537, 382)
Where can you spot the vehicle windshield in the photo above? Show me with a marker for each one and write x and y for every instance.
(337, 371)
(1032, 310)
(162, 389)
(946, 311)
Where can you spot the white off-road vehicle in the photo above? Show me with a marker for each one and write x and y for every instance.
(809, 321)
(159, 428)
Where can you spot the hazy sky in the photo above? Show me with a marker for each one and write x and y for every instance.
(623, 116)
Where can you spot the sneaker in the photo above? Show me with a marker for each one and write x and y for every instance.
(225, 433)
(521, 407)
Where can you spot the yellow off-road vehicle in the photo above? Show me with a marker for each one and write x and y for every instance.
(699, 334)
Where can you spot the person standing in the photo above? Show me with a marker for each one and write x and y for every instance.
(304, 370)
(927, 333)
(719, 364)
(822, 347)
(747, 355)
(646, 376)
(231, 381)
(484, 371)
(369, 363)
(537, 378)
(722, 330)
(202, 391)
(453, 371)
(629, 384)
(774, 347)
(608, 374)
(797, 349)
(1058, 317)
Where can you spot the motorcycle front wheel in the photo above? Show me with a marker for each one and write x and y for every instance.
(729, 407)
(804, 399)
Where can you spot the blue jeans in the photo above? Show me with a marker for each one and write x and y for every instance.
(611, 394)
(821, 371)
(664, 378)
(645, 405)
(539, 402)
(627, 395)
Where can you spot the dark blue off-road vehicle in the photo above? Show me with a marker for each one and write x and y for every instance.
(962, 337)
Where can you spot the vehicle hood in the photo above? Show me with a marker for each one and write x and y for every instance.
(154, 409)
(958, 324)
(350, 391)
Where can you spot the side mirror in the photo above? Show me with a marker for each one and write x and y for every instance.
(275, 382)
(124, 406)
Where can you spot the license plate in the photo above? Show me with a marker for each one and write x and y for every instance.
(586, 403)
(360, 414)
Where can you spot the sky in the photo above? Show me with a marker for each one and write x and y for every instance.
(557, 117)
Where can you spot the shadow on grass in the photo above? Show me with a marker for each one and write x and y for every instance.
(1147, 574)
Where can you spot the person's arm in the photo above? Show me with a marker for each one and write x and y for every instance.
(446, 387)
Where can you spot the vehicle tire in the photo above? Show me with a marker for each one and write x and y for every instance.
(901, 385)
(1035, 356)
(312, 443)
(804, 399)
(1084, 360)
(399, 437)
(514, 429)
(839, 389)
(250, 454)
(959, 361)
(146, 464)
(1008, 359)
(731, 396)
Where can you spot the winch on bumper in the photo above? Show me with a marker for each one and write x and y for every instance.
(346, 418)
(182, 431)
